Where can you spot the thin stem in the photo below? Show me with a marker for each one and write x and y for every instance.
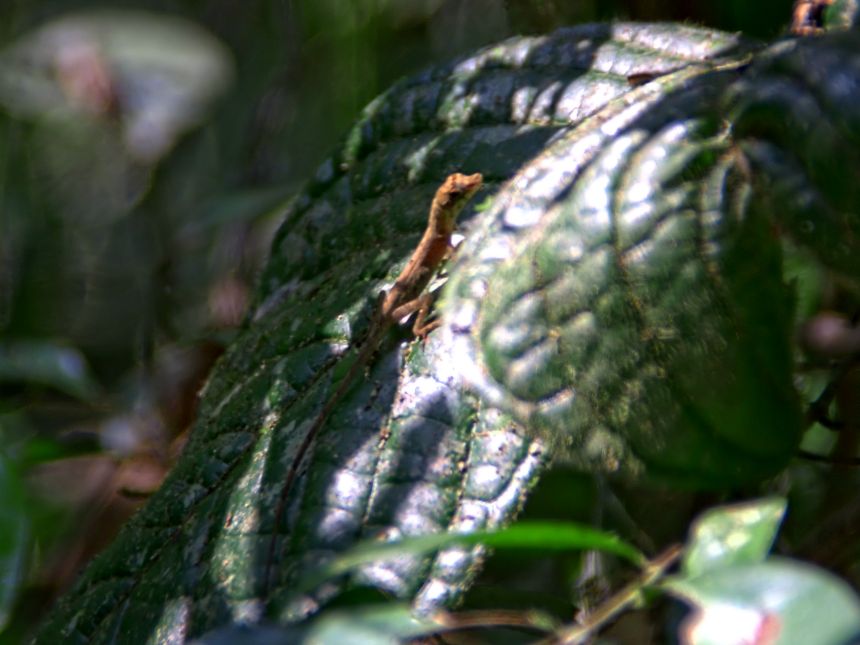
(613, 605)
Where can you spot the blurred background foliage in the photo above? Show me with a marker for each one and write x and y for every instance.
(144, 162)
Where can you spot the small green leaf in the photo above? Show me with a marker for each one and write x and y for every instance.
(736, 534)
(546, 536)
(782, 602)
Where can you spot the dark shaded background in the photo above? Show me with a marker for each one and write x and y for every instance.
(121, 278)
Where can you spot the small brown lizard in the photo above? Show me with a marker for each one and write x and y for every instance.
(807, 18)
(403, 298)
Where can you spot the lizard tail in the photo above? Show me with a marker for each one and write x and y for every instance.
(363, 358)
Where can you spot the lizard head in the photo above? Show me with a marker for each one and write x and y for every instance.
(453, 195)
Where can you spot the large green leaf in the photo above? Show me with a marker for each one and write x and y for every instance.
(612, 296)
(625, 297)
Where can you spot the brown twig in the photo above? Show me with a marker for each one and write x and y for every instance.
(609, 609)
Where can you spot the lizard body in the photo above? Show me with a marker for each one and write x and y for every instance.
(403, 298)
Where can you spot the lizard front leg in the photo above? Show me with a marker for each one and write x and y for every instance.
(422, 305)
